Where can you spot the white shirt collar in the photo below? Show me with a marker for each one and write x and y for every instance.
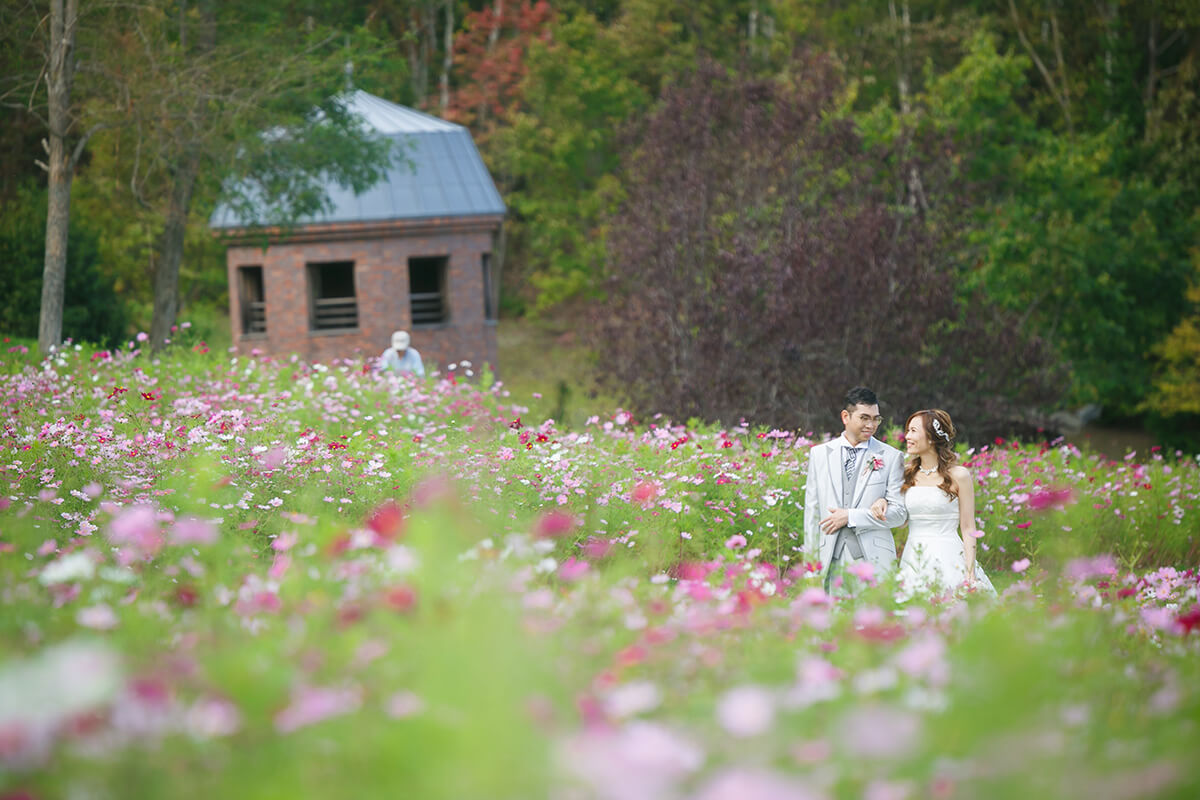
(846, 443)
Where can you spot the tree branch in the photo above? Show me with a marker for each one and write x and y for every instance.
(77, 153)
(1054, 91)
(44, 122)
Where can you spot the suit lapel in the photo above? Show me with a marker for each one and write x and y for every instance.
(860, 483)
(833, 460)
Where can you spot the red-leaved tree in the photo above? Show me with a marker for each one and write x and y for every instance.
(763, 263)
(490, 60)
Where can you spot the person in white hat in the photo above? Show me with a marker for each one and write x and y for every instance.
(400, 357)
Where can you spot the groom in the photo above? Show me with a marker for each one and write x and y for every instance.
(845, 476)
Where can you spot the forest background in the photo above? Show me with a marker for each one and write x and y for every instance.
(1001, 197)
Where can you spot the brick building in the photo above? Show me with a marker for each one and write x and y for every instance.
(414, 252)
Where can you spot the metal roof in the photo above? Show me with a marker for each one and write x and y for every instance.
(439, 173)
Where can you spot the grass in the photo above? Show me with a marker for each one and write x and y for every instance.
(548, 369)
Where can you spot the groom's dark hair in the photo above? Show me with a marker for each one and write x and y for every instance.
(860, 396)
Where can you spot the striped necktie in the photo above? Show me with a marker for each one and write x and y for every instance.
(851, 460)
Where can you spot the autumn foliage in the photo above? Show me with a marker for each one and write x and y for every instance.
(490, 53)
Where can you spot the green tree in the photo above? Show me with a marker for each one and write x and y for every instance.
(221, 100)
(92, 310)
(558, 157)
(1073, 232)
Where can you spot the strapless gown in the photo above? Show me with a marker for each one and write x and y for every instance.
(932, 562)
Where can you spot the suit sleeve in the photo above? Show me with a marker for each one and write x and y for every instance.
(812, 514)
(897, 510)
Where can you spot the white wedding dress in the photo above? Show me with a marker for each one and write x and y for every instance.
(932, 562)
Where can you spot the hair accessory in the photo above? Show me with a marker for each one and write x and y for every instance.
(937, 428)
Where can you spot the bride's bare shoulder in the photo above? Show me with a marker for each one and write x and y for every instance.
(960, 473)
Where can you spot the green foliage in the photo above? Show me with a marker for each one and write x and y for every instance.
(560, 155)
(1074, 233)
(1174, 402)
(1177, 390)
(93, 311)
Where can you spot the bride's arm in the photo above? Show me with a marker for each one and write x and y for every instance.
(966, 516)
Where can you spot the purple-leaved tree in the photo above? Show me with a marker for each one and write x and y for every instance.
(765, 260)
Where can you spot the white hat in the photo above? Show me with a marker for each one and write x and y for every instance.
(400, 340)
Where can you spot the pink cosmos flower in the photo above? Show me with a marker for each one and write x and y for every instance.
(212, 717)
(274, 458)
(1020, 565)
(888, 790)
(191, 530)
(135, 530)
(1158, 618)
(813, 596)
(573, 569)
(863, 570)
(735, 542)
(741, 783)
(284, 542)
(1082, 569)
(403, 704)
(877, 732)
(812, 751)
(638, 761)
(553, 524)
(279, 566)
(817, 680)
(746, 711)
(645, 492)
(596, 548)
(1050, 498)
(310, 705)
(925, 658)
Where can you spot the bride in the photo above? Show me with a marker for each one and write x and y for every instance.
(940, 497)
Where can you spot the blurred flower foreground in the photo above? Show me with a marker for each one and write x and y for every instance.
(232, 576)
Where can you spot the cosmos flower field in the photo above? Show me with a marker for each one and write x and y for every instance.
(226, 575)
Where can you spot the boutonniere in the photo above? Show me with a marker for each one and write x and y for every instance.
(873, 463)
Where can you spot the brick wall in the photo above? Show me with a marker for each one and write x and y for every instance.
(381, 287)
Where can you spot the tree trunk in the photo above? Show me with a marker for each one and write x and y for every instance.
(447, 57)
(913, 182)
(54, 271)
(170, 256)
(60, 74)
(170, 247)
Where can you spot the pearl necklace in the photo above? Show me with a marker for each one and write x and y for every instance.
(924, 471)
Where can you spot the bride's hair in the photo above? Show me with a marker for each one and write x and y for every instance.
(940, 430)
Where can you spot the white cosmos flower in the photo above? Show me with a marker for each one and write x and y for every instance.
(77, 566)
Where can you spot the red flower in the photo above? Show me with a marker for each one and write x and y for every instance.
(401, 598)
(387, 521)
(1190, 620)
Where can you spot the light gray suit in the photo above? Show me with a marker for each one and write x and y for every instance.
(827, 487)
